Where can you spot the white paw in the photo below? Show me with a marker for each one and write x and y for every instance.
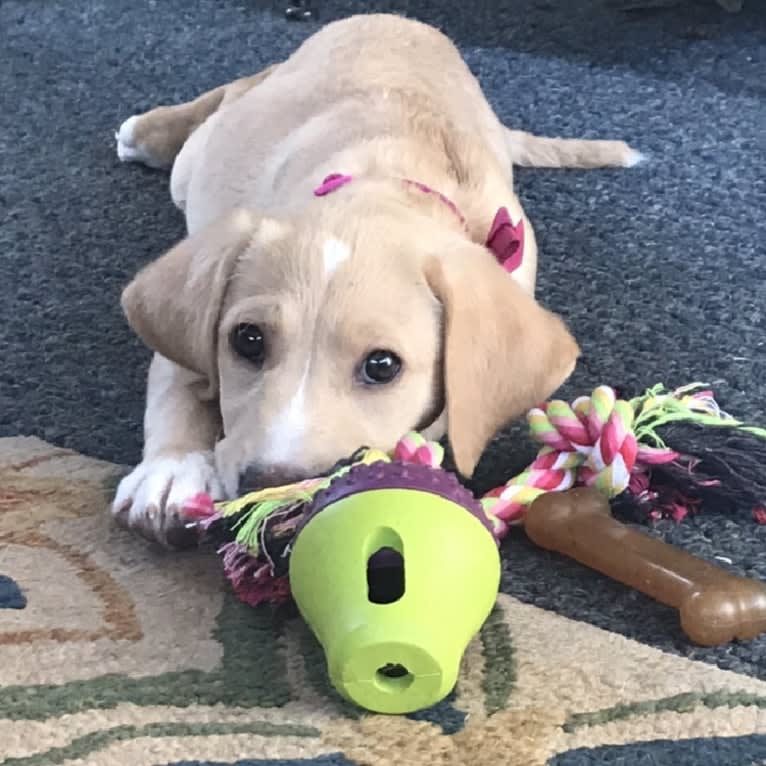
(151, 498)
(128, 149)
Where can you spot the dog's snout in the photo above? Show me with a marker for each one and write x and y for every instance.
(256, 477)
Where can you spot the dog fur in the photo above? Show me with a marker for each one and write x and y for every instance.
(377, 264)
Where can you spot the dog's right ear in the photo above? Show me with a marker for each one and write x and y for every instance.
(174, 303)
(503, 352)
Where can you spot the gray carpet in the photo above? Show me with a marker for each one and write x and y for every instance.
(660, 270)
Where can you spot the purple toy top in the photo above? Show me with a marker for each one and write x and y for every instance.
(382, 475)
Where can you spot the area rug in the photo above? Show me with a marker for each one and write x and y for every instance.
(114, 653)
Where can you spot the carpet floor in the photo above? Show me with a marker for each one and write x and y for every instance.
(111, 653)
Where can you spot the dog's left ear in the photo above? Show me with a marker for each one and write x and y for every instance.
(173, 304)
(503, 352)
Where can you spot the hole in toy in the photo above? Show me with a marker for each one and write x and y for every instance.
(394, 677)
(392, 670)
(385, 576)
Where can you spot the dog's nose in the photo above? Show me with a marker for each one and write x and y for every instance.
(256, 477)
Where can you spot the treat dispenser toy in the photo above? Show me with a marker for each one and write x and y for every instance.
(395, 569)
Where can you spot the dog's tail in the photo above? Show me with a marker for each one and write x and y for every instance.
(529, 150)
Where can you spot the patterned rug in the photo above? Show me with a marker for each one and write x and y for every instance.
(112, 653)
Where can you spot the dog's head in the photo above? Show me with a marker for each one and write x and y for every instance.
(364, 318)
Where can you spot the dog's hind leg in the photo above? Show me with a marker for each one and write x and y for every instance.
(156, 137)
(529, 150)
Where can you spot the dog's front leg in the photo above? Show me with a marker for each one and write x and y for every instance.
(180, 431)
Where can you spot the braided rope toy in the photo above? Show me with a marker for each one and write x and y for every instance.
(607, 443)
(666, 452)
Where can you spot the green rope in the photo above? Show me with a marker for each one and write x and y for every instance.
(253, 510)
(658, 407)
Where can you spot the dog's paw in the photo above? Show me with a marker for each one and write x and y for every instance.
(150, 500)
(129, 148)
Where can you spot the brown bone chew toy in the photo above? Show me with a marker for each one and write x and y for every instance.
(715, 606)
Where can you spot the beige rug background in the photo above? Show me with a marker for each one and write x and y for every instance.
(128, 655)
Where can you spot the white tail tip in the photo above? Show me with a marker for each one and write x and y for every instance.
(634, 158)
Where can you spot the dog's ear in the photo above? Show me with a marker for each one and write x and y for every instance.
(503, 352)
(174, 303)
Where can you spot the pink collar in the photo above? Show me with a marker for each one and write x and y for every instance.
(505, 239)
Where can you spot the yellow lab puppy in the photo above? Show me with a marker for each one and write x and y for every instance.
(357, 265)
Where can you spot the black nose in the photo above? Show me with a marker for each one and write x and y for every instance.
(256, 477)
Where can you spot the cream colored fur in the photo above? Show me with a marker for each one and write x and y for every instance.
(376, 264)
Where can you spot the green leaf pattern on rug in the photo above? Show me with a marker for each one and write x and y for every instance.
(679, 703)
(98, 740)
(500, 670)
(249, 643)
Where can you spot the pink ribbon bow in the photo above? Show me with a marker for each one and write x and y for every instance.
(506, 240)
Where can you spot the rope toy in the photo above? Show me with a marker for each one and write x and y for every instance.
(666, 453)
(613, 445)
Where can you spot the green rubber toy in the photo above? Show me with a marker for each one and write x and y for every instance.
(395, 571)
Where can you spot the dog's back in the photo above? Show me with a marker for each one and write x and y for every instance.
(392, 85)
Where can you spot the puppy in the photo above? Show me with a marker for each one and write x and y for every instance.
(357, 265)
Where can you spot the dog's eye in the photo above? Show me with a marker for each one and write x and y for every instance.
(247, 340)
(380, 367)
